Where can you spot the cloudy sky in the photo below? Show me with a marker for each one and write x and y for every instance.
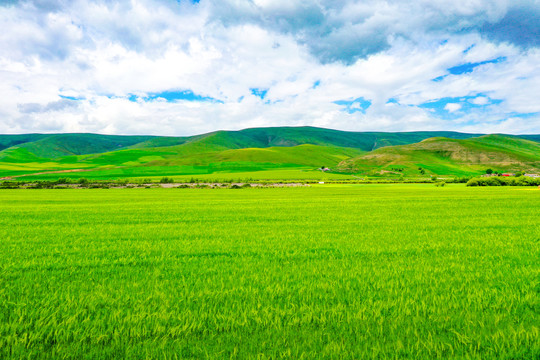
(169, 67)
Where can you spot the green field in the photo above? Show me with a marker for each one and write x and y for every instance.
(338, 272)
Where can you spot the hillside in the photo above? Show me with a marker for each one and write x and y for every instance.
(256, 149)
(7, 141)
(54, 146)
(443, 156)
(366, 141)
(59, 145)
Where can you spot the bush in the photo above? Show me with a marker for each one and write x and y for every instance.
(166, 180)
(504, 181)
(9, 185)
(42, 185)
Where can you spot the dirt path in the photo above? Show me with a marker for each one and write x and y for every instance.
(47, 172)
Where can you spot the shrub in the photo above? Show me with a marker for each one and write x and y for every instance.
(166, 180)
(9, 185)
(504, 181)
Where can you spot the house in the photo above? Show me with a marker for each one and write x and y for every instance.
(325, 169)
(532, 175)
(508, 174)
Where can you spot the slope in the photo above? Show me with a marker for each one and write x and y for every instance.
(293, 136)
(7, 141)
(366, 141)
(299, 156)
(443, 156)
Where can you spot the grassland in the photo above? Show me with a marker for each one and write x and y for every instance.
(249, 150)
(337, 272)
(445, 156)
(263, 150)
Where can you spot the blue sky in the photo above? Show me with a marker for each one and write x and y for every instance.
(186, 67)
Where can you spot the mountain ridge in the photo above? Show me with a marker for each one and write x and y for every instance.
(254, 149)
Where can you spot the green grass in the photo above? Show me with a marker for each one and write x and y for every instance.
(338, 272)
(265, 149)
(223, 172)
(187, 160)
(58, 145)
(444, 156)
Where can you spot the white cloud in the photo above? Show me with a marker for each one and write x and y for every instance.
(307, 55)
(480, 100)
(452, 107)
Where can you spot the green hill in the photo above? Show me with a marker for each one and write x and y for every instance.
(366, 141)
(60, 145)
(7, 141)
(443, 156)
(301, 155)
(55, 146)
(293, 136)
(375, 153)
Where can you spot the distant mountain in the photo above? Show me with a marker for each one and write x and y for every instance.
(59, 145)
(444, 156)
(7, 141)
(437, 152)
(39, 146)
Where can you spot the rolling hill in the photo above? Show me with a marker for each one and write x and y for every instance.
(260, 149)
(444, 156)
(59, 145)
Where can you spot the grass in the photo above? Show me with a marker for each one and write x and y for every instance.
(340, 272)
(263, 149)
(236, 171)
(187, 159)
(444, 156)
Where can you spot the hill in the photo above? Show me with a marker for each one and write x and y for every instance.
(366, 141)
(58, 145)
(256, 149)
(444, 156)
(7, 141)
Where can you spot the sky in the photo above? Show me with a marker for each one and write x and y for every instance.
(184, 67)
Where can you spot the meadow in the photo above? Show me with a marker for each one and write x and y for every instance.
(332, 271)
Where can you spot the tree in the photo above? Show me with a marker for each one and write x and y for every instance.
(489, 171)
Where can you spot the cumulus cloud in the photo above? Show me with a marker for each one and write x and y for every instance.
(451, 107)
(110, 66)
